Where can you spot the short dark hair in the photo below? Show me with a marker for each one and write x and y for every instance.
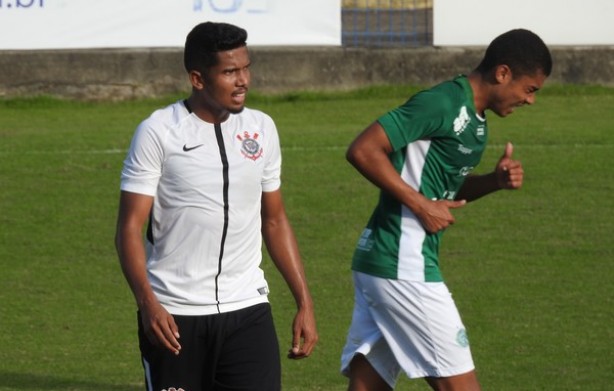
(208, 38)
(521, 50)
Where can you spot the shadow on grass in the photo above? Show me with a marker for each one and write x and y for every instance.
(25, 381)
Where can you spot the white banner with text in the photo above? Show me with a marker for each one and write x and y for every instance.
(75, 24)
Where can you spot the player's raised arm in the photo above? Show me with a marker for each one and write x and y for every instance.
(508, 174)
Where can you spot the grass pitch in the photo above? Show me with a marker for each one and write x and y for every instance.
(530, 270)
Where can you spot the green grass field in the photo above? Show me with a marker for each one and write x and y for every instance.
(530, 270)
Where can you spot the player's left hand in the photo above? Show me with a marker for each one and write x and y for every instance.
(509, 171)
(303, 331)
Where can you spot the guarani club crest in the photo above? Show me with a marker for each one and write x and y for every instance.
(250, 147)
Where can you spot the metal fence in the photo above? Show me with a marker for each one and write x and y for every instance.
(387, 23)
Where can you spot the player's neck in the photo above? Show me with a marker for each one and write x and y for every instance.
(207, 111)
(480, 87)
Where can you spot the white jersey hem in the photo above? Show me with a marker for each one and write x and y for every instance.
(191, 310)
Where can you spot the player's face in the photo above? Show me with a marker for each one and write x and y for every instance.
(226, 84)
(516, 92)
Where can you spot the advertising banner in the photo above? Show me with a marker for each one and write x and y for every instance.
(566, 23)
(70, 24)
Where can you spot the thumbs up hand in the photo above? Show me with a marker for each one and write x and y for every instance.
(509, 171)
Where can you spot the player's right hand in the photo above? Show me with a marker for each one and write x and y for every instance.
(436, 216)
(159, 327)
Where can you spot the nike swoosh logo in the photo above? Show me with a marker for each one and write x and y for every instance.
(187, 149)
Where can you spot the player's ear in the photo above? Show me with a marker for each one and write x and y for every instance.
(503, 74)
(196, 80)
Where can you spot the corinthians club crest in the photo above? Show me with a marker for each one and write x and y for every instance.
(250, 147)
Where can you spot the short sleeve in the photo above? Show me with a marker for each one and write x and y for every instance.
(143, 164)
(271, 177)
(421, 117)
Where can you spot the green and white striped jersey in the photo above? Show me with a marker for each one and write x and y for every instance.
(437, 139)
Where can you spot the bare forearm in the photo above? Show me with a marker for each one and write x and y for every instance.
(376, 167)
(477, 186)
(133, 212)
(132, 260)
(283, 249)
(158, 324)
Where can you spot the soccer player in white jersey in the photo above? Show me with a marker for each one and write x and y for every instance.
(421, 156)
(203, 175)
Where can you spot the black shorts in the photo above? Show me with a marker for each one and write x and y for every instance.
(237, 350)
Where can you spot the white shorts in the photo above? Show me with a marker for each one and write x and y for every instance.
(406, 325)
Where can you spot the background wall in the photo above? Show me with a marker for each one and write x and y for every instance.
(133, 73)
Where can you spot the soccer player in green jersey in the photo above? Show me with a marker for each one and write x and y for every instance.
(421, 155)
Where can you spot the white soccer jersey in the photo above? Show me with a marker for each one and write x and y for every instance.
(204, 241)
